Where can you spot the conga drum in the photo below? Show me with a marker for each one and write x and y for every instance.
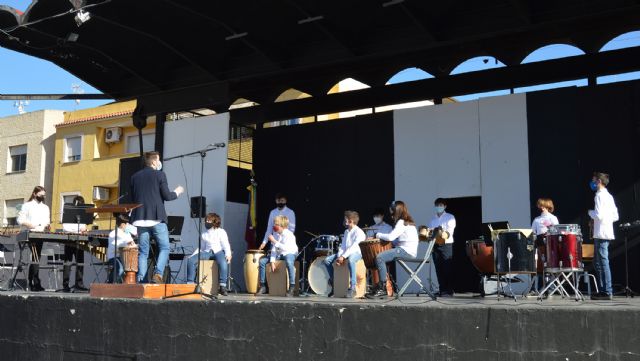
(481, 256)
(370, 248)
(251, 269)
(130, 264)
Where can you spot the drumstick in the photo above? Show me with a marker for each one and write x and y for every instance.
(311, 234)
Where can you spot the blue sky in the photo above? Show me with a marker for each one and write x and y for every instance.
(21, 74)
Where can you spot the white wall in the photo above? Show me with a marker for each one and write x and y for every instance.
(190, 135)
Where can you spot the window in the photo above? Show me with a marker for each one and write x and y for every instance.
(148, 142)
(11, 209)
(17, 158)
(66, 197)
(73, 149)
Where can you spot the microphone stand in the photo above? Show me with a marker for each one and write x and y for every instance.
(627, 292)
(202, 153)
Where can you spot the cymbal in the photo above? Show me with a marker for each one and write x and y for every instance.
(369, 229)
(311, 234)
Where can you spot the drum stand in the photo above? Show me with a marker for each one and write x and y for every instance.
(501, 288)
(232, 285)
(304, 284)
(557, 282)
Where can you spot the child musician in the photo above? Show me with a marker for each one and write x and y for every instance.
(542, 222)
(125, 239)
(283, 247)
(215, 245)
(349, 250)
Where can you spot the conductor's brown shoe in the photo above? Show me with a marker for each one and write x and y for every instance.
(157, 278)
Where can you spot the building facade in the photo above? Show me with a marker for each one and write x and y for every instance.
(26, 158)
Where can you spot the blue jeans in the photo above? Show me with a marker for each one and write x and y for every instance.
(161, 234)
(289, 259)
(221, 261)
(353, 259)
(119, 270)
(387, 256)
(601, 264)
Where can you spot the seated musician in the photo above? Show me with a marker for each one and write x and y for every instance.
(404, 237)
(541, 223)
(215, 245)
(70, 251)
(443, 253)
(349, 250)
(379, 225)
(35, 216)
(125, 239)
(283, 247)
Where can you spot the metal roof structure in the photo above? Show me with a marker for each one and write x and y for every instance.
(177, 55)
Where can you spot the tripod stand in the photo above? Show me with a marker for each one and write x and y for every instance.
(626, 227)
(304, 283)
(202, 153)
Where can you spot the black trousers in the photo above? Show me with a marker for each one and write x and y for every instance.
(34, 268)
(443, 259)
(69, 252)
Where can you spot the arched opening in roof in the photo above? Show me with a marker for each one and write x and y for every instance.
(346, 85)
(626, 40)
(242, 103)
(549, 52)
(403, 76)
(290, 94)
(479, 63)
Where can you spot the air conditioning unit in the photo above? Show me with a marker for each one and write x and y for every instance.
(100, 193)
(113, 135)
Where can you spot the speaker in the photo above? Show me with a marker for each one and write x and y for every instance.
(198, 203)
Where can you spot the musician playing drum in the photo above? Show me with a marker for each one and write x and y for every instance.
(284, 247)
(280, 210)
(404, 237)
(35, 216)
(542, 222)
(443, 253)
(379, 225)
(125, 239)
(349, 250)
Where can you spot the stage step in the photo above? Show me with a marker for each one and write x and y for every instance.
(146, 290)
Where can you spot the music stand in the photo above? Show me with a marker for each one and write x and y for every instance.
(174, 224)
(77, 214)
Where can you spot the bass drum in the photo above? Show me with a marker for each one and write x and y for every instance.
(319, 277)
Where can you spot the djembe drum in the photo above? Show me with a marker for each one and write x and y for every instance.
(130, 264)
(370, 248)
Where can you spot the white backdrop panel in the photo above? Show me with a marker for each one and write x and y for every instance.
(189, 135)
(504, 153)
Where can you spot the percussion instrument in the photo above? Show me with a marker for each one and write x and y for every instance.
(514, 253)
(481, 256)
(319, 277)
(326, 245)
(251, 269)
(425, 233)
(564, 248)
(370, 248)
(130, 264)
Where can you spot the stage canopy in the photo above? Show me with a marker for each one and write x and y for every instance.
(192, 54)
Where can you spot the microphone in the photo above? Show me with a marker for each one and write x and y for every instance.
(219, 145)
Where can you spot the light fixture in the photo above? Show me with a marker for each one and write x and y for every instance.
(82, 17)
(72, 37)
(310, 19)
(236, 36)
(391, 3)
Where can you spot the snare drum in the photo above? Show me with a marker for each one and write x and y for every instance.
(326, 245)
(514, 253)
(564, 248)
(130, 263)
(251, 269)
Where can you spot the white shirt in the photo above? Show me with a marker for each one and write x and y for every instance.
(448, 223)
(36, 214)
(351, 242)
(285, 244)
(287, 212)
(403, 236)
(383, 227)
(542, 222)
(124, 239)
(143, 223)
(73, 227)
(604, 214)
(216, 240)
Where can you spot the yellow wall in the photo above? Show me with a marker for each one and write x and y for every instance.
(99, 165)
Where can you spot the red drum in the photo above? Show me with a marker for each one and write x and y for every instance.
(481, 256)
(564, 248)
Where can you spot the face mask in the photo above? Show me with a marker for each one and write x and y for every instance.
(159, 165)
(377, 220)
(281, 205)
(346, 224)
(593, 185)
(439, 209)
(276, 229)
(208, 225)
(40, 198)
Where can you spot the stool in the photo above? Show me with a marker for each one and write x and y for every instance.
(278, 281)
(341, 278)
(209, 282)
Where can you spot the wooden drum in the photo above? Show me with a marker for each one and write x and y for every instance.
(251, 268)
(370, 248)
(481, 256)
(130, 263)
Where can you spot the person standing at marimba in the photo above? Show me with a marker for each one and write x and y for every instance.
(404, 238)
(35, 216)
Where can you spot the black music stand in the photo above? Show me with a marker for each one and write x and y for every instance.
(625, 228)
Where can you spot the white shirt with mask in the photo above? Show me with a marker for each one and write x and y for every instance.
(215, 240)
(124, 239)
(403, 236)
(542, 222)
(448, 223)
(285, 211)
(285, 244)
(379, 227)
(604, 214)
(351, 242)
(35, 213)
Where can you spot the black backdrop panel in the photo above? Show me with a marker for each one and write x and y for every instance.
(325, 168)
(468, 213)
(128, 167)
(238, 180)
(575, 131)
